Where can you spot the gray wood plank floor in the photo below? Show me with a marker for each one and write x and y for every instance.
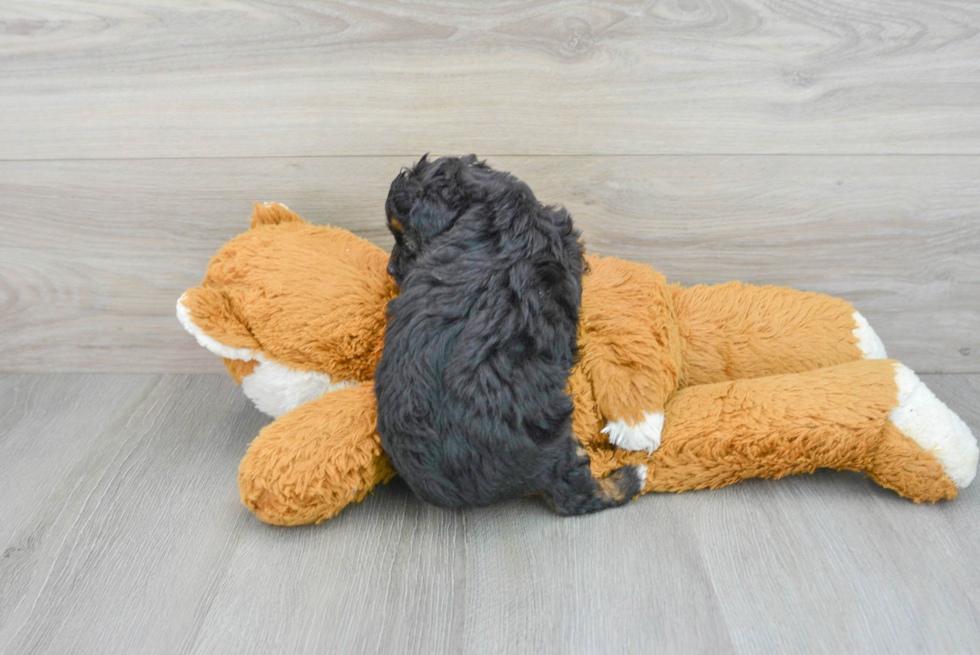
(121, 532)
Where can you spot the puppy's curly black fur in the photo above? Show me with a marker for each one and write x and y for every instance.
(472, 406)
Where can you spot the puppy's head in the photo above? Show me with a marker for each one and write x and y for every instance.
(426, 200)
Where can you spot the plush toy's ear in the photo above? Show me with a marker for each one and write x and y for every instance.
(313, 461)
(272, 213)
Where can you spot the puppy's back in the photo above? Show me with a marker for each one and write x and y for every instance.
(479, 345)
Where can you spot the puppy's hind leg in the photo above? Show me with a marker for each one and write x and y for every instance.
(574, 491)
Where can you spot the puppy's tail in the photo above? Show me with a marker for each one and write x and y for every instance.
(577, 492)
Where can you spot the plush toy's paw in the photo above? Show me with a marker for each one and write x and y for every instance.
(308, 465)
(867, 339)
(938, 430)
(644, 435)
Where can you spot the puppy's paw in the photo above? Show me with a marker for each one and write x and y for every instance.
(644, 435)
(622, 485)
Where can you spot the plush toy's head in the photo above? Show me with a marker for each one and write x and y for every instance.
(294, 309)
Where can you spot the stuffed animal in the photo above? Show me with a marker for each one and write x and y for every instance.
(705, 385)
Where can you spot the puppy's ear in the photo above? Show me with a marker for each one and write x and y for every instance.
(477, 182)
(402, 193)
(429, 217)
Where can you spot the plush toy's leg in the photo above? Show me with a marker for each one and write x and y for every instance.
(734, 330)
(315, 460)
(629, 344)
(873, 415)
(925, 419)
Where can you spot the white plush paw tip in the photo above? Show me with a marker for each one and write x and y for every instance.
(271, 203)
(867, 339)
(929, 422)
(644, 435)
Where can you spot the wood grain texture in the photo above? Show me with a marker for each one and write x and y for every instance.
(409, 578)
(93, 255)
(134, 541)
(240, 79)
(823, 553)
(76, 409)
(123, 551)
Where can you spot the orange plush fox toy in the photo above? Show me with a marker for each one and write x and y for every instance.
(705, 385)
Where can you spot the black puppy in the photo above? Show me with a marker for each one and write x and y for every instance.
(472, 406)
